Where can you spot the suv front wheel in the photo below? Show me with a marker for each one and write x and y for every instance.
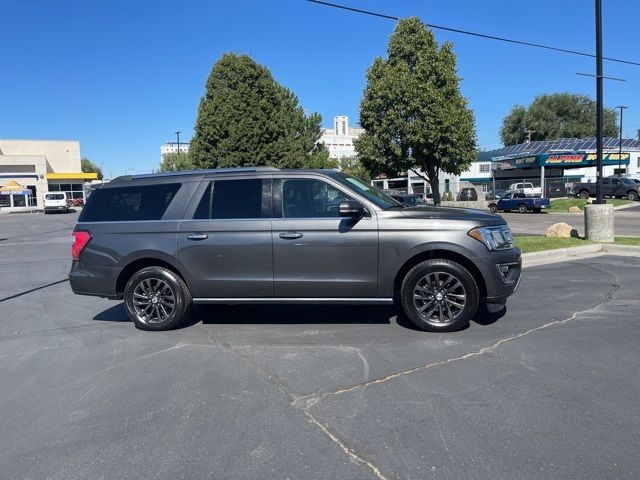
(439, 295)
(157, 299)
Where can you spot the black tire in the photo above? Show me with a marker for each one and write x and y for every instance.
(631, 195)
(455, 286)
(522, 208)
(493, 208)
(584, 194)
(172, 304)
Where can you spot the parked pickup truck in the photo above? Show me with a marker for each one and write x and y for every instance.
(528, 189)
(519, 201)
(611, 187)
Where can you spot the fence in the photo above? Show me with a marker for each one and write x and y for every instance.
(554, 187)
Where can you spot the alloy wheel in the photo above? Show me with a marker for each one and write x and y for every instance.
(153, 300)
(439, 297)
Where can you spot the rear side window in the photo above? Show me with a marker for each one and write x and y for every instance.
(231, 199)
(145, 202)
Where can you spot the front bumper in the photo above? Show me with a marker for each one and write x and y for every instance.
(501, 284)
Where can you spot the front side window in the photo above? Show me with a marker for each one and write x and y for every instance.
(231, 199)
(307, 198)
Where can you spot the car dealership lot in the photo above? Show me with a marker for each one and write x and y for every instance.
(546, 390)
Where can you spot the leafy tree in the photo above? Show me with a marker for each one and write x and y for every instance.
(172, 162)
(412, 110)
(638, 134)
(246, 118)
(557, 115)
(87, 166)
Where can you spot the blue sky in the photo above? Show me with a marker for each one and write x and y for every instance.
(122, 76)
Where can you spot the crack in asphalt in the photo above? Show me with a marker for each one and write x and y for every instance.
(310, 400)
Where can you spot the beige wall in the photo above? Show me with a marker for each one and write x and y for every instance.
(62, 155)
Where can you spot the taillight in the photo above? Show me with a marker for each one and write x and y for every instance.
(80, 240)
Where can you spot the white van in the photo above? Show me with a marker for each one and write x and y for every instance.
(55, 202)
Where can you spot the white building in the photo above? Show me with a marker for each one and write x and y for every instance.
(41, 166)
(339, 139)
(172, 147)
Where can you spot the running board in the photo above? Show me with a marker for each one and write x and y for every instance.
(284, 300)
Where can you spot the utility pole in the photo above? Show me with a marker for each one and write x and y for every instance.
(621, 107)
(178, 135)
(599, 101)
(529, 133)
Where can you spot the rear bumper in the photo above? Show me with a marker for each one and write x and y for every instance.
(57, 208)
(95, 281)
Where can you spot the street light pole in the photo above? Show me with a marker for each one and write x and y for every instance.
(599, 101)
(178, 135)
(621, 107)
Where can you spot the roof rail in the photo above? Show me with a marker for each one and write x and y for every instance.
(209, 171)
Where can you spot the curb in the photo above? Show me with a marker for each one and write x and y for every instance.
(557, 255)
(615, 208)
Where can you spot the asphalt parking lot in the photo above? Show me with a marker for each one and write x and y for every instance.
(547, 389)
(627, 221)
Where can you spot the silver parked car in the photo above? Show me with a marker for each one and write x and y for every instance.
(262, 235)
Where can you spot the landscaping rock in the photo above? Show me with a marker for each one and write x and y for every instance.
(574, 209)
(561, 230)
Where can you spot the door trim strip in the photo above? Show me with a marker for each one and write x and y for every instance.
(284, 300)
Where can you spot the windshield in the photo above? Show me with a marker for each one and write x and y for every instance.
(413, 200)
(372, 194)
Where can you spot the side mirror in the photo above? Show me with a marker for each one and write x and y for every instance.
(350, 208)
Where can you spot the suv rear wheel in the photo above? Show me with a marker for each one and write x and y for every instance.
(439, 295)
(157, 299)
(631, 195)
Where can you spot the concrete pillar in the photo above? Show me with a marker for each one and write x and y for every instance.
(598, 222)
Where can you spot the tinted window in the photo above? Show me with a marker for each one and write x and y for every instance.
(237, 199)
(54, 196)
(204, 206)
(305, 198)
(148, 202)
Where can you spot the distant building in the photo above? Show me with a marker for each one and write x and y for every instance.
(41, 166)
(172, 147)
(339, 139)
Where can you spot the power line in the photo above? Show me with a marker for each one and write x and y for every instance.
(475, 34)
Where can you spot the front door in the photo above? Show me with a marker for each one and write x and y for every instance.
(225, 244)
(316, 252)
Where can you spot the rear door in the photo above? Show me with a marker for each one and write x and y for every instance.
(316, 252)
(224, 241)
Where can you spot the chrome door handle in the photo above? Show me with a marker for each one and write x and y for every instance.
(197, 236)
(290, 235)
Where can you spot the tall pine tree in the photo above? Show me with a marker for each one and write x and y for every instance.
(246, 118)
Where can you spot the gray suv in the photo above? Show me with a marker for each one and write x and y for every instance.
(261, 235)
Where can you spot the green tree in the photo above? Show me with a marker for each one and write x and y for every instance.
(172, 162)
(556, 115)
(246, 118)
(412, 110)
(352, 166)
(87, 166)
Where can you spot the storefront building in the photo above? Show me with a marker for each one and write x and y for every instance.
(41, 166)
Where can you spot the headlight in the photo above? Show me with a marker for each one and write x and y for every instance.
(494, 238)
